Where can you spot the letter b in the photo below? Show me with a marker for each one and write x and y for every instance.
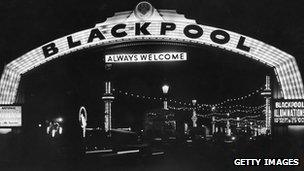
(49, 50)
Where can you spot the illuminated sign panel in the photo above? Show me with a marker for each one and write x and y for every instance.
(154, 26)
(10, 116)
(288, 112)
(146, 57)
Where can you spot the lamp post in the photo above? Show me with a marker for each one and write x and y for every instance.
(165, 89)
(228, 125)
(213, 120)
(194, 117)
(237, 122)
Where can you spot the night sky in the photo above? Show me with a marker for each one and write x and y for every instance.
(210, 75)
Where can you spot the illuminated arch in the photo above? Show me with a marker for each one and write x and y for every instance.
(284, 65)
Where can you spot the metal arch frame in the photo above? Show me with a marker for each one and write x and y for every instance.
(285, 66)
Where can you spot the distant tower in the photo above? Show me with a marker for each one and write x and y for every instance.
(267, 95)
(108, 99)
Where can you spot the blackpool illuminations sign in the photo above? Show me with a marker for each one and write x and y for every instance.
(288, 112)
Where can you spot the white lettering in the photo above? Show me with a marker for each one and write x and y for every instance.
(247, 162)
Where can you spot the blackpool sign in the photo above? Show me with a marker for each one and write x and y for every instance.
(147, 24)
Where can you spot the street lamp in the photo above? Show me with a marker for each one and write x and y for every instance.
(213, 109)
(194, 102)
(238, 122)
(60, 119)
(165, 89)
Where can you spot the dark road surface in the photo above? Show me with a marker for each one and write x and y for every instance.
(184, 157)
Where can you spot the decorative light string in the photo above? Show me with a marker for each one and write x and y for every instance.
(252, 93)
(189, 106)
(225, 114)
(238, 106)
(250, 109)
(232, 119)
(255, 111)
(219, 108)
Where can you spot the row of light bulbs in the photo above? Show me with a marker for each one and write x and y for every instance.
(199, 106)
(236, 120)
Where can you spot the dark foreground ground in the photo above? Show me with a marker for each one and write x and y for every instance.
(206, 155)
